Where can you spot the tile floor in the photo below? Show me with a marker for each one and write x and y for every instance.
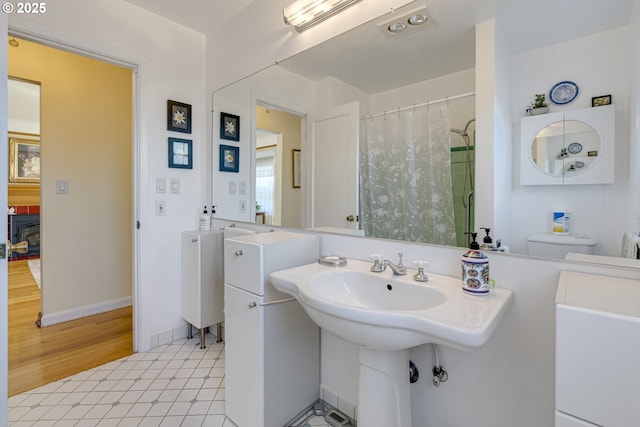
(173, 385)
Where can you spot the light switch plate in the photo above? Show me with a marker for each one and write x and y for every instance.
(175, 185)
(62, 186)
(242, 187)
(233, 187)
(243, 206)
(161, 184)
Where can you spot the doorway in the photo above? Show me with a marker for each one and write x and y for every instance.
(86, 201)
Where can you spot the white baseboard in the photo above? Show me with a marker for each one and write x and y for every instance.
(87, 310)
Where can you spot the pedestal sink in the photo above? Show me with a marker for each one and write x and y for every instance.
(386, 315)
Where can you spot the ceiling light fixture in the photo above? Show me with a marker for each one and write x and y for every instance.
(410, 22)
(304, 14)
(397, 27)
(417, 19)
(13, 42)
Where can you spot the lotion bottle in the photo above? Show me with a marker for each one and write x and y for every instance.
(205, 220)
(475, 270)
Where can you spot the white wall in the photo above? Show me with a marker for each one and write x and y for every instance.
(462, 110)
(171, 65)
(599, 64)
(634, 124)
(4, 337)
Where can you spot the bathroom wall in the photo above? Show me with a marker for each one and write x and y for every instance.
(599, 64)
(3, 228)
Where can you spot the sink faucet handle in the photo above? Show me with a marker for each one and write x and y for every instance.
(377, 266)
(400, 254)
(420, 276)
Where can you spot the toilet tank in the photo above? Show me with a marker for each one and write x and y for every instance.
(554, 246)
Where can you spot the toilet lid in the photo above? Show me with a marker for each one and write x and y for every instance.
(563, 240)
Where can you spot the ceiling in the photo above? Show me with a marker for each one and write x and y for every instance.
(372, 62)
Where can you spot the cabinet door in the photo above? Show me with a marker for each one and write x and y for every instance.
(243, 266)
(244, 353)
(191, 279)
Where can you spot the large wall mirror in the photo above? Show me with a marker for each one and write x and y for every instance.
(383, 76)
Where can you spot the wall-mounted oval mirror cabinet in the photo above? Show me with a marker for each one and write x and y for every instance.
(572, 147)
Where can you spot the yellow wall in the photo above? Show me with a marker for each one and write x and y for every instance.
(86, 138)
(290, 126)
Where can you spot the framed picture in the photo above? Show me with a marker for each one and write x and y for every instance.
(598, 101)
(229, 158)
(180, 153)
(296, 168)
(24, 161)
(229, 127)
(178, 116)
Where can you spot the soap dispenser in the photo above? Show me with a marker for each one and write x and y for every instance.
(487, 241)
(475, 269)
(205, 220)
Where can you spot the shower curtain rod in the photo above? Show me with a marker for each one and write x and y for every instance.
(424, 104)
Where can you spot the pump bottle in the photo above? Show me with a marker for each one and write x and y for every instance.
(205, 220)
(475, 270)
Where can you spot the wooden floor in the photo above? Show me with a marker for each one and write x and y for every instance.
(38, 356)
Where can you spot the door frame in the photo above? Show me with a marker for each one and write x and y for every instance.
(135, 63)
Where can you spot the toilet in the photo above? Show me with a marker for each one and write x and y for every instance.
(556, 246)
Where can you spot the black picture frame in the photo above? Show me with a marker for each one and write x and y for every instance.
(599, 101)
(178, 116)
(229, 127)
(180, 153)
(229, 158)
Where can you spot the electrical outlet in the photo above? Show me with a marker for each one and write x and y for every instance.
(161, 209)
(243, 206)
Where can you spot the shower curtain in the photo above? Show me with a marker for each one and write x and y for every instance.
(405, 176)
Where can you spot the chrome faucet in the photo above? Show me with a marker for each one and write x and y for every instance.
(381, 265)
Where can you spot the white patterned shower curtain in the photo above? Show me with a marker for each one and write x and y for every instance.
(405, 176)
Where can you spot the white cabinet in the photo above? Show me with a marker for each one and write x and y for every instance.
(272, 348)
(202, 280)
(597, 348)
(571, 147)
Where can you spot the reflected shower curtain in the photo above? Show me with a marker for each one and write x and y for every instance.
(405, 176)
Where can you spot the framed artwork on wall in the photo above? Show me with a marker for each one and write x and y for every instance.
(178, 116)
(229, 127)
(24, 161)
(229, 158)
(297, 179)
(598, 101)
(180, 153)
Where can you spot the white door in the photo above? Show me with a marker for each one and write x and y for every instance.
(332, 167)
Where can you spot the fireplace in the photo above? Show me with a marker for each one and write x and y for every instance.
(25, 228)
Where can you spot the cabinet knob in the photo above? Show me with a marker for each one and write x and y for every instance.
(239, 252)
(194, 240)
(253, 304)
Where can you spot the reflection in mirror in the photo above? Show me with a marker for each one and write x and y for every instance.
(278, 200)
(349, 68)
(565, 147)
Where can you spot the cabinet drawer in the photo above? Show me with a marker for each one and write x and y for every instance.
(243, 266)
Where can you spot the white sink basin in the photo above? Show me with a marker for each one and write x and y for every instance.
(385, 315)
(386, 312)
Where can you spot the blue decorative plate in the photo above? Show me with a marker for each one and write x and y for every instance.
(563, 92)
(575, 147)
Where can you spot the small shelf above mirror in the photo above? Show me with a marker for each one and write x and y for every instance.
(571, 147)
